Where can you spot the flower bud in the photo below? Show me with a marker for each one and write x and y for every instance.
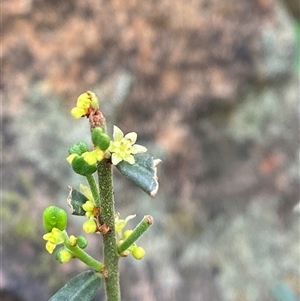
(100, 138)
(82, 242)
(63, 255)
(138, 253)
(127, 233)
(73, 240)
(89, 226)
(88, 206)
(78, 148)
(81, 167)
(54, 217)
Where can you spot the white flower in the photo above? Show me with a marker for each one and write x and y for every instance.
(124, 147)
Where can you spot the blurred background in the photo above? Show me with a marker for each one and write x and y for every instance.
(211, 88)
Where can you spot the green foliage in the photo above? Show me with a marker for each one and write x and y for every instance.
(83, 287)
(142, 172)
(75, 200)
(297, 30)
(96, 203)
(283, 292)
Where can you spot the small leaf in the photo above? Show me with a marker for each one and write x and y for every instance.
(75, 200)
(82, 287)
(142, 172)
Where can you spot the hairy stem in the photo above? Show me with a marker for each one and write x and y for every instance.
(107, 219)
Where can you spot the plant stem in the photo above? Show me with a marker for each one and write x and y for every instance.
(107, 218)
(94, 189)
(82, 255)
(139, 230)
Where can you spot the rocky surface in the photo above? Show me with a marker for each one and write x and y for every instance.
(211, 87)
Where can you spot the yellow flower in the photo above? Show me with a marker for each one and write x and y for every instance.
(124, 147)
(84, 102)
(88, 207)
(50, 247)
(121, 223)
(93, 156)
(53, 238)
(65, 256)
(89, 226)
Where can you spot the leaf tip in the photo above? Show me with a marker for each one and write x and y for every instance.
(69, 200)
(154, 191)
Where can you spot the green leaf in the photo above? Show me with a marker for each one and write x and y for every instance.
(282, 292)
(142, 172)
(82, 287)
(75, 201)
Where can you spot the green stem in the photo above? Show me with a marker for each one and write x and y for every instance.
(82, 255)
(94, 189)
(139, 230)
(107, 218)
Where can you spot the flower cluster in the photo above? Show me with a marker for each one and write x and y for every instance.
(89, 207)
(121, 148)
(136, 251)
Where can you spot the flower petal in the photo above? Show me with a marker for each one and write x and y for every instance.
(71, 157)
(50, 247)
(131, 136)
(78, 112)
(115, 159)
(86, 191)
(117, 134)
(138, 149)
(129, 159)
(90, 157)
(130, 217)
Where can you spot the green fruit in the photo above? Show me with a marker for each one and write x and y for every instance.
(81, 167)
(100, 139)
(78, 148)
(54, 217)
(82, 242)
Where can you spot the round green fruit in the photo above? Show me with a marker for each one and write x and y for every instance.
(82, 242)
(100, 138)
(81, 167)
(78, 148)
(54, 217)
